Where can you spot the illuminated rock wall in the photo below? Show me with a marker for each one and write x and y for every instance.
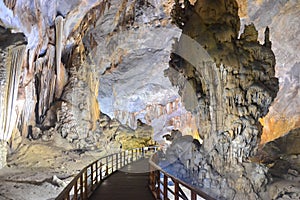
(132, 51)
(53, 29)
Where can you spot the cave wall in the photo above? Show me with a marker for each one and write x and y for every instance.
(132, 50)
(70, 46)
(55, 79)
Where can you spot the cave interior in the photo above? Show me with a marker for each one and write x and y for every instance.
(214, 84)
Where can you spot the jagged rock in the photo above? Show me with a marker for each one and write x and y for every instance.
(228, 93)
(280, 18)
(228, 84)
(285, 145)
(284, 190)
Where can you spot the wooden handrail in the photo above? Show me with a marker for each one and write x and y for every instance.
(177, 193)
(89, 178)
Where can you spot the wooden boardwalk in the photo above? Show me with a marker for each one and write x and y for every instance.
(130, 182)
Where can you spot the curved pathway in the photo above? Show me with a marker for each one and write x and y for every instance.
(130, 182)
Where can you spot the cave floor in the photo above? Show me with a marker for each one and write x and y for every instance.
(32, 170)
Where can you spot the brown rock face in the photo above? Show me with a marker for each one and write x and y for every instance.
(234, 82)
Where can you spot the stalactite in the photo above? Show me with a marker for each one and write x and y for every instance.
(58, 50)
(12, 52)
(9, 92)
(45, 83)
(10, 3)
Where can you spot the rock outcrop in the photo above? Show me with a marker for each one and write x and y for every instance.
(234, 81)
(282, 155)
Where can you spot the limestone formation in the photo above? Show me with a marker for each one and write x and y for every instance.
(282, 156)
(50, 28)
(11, 59)
(110, 55)
(132, 84)
(235, 85)
(281, 18)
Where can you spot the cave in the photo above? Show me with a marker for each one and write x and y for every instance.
(213, 84)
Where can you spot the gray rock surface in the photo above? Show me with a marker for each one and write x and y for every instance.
(133, 51)
(132, 60)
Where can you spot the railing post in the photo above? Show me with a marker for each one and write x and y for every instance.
(120, 159)
(75, 191)
(92, 176)
(136, 154)
(85, 185)
(176, 190)
(81, 186)
(193, 195)
(97, 175)
(158, 184)
(112, 163)
(165, 187)
(106, 166)
(117, 161)
(124, 160)
(101, 171)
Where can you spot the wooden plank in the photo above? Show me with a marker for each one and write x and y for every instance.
(124, 185)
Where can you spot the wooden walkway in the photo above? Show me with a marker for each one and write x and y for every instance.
(130, 182)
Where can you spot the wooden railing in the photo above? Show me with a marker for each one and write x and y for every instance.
(88, 179)
(159, 185)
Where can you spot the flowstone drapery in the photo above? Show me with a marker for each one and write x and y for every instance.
(11, 59)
